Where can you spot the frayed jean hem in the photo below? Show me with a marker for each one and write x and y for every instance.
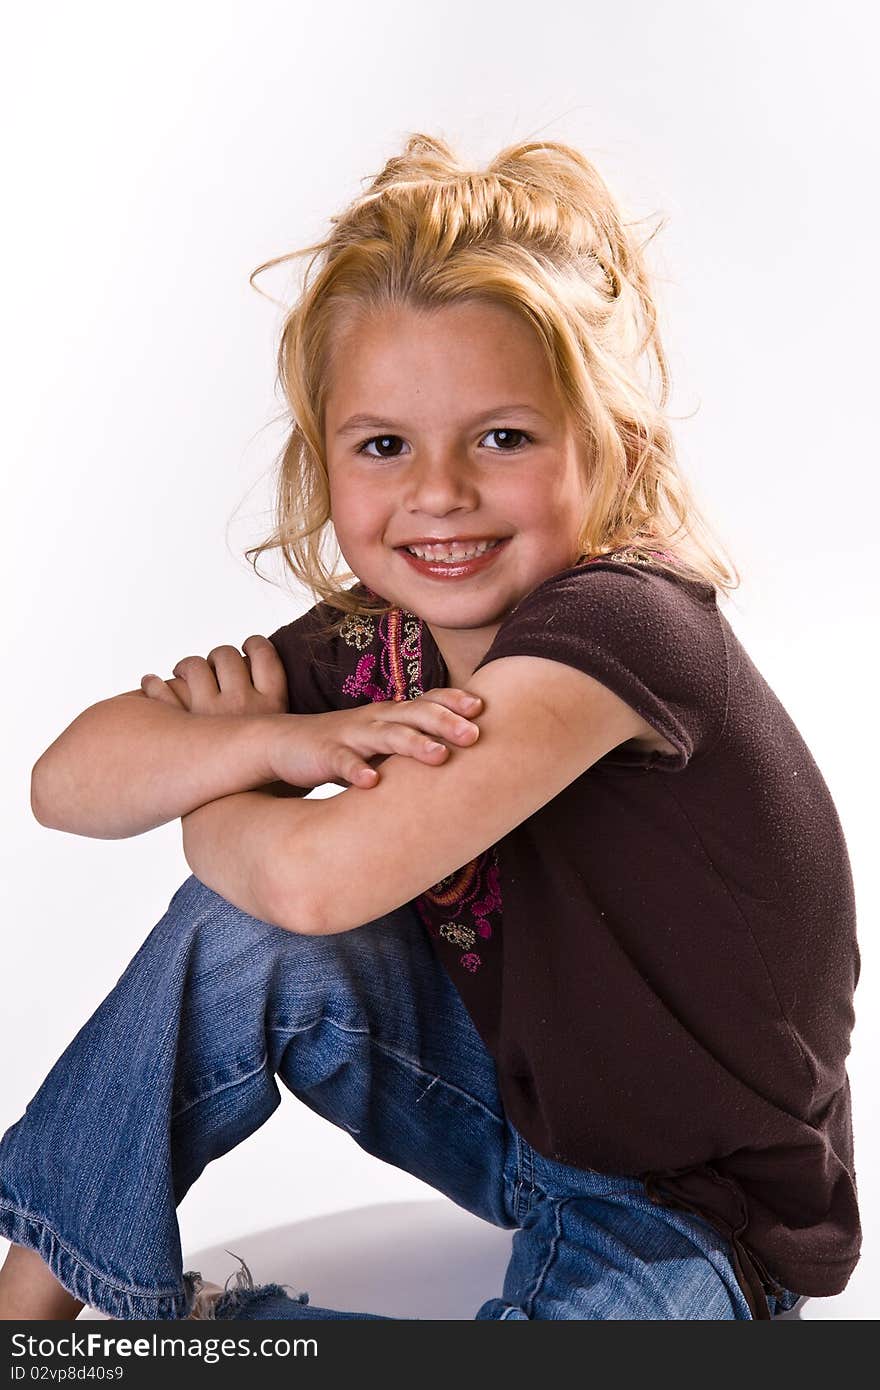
(86, 1284)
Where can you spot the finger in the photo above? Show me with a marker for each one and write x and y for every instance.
(408, 741)
(231, 670)
(181, 690)
(267, 668)
(435, 720)
(354, 769)
(200, 678)
(464, 701)
(156, 689)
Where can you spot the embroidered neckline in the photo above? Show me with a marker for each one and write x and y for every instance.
(466, 900)
(395, 673)
(629, 554)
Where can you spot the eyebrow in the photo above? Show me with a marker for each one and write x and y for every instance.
(355, 423)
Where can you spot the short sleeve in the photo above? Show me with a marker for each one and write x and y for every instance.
(654, 638)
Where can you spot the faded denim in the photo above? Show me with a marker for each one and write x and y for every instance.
(182, 1060)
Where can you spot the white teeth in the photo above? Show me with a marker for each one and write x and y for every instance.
(450, 553)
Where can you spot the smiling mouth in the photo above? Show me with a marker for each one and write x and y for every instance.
(455, 552)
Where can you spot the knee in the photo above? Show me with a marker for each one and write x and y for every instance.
(212, 933)
(194, 899)
(197, 904)
(205, 939)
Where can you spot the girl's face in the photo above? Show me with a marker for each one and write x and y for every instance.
(444, 431)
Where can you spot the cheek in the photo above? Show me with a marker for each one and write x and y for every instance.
(343, 500)
(555, 517)
(545, 510)
(354, 517)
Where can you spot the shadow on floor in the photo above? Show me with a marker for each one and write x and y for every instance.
(430, 1260)
(404, 1259)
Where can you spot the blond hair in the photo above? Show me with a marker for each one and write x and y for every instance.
(539, 232)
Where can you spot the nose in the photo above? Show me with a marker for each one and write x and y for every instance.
(440, 483)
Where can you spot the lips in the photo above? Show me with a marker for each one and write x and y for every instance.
(451, 550)
(456, 568)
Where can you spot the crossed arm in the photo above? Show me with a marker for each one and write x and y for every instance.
(318, 867)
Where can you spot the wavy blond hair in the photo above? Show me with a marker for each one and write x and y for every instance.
(539, 232)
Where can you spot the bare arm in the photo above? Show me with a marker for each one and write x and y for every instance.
(129, 764)
(544, 724)
(140, 759)
(321, 867)
(148, 756)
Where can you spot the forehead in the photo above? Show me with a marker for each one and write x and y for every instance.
(464, 355)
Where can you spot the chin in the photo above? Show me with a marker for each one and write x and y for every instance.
(471, 612)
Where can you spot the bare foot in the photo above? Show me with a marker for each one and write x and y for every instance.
(207, 1295)
(29, 1289)
(205, 1299)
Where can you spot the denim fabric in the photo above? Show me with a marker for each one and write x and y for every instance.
(181, 1062)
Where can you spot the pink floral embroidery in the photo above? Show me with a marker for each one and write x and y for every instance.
(360, 682)
(399, 658)
(458, 909)
(471, 895)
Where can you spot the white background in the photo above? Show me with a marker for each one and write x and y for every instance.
(155, 155)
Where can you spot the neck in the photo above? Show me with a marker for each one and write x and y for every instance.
(462, 649)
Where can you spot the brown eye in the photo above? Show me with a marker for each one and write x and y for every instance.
(386, 443)
(509, 440)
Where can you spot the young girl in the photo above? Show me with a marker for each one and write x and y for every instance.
(575, 945)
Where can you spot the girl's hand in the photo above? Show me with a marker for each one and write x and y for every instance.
(227, 682)
(309, 750)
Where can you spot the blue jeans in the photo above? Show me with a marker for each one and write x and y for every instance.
(179, 1064)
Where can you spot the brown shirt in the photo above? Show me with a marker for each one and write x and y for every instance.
(662, 959)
